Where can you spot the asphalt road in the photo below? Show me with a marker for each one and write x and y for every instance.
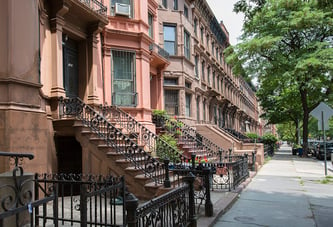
(287, 191)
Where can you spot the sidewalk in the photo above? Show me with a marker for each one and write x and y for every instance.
(287, 191)
(222, 201)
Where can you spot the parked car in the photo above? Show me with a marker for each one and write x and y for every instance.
(321, 151)
(313, 146)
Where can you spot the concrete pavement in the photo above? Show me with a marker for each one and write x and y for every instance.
(287, 191)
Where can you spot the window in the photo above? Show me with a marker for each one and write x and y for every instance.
(215, 114)
(202, 33)
(123, 78)
(122, 8)
(221, 58)
(171, 101)
(213, 48)
(169, 32)
(204, 110)
(186, 11)
(213, 79)
(150, 23)
(196, 66)
(187, 105)
(187, 45)
(198, 109)
(195, 25)
(207, 41)
(203, 70)
(175, 4)
(165, 3)
(208, 74)
(217, 53)
(170, 81)
(187, 85)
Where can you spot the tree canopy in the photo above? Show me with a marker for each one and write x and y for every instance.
(288, 46)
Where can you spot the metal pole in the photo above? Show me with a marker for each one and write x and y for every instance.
(323, 128)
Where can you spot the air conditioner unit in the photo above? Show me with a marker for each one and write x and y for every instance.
(123, 9)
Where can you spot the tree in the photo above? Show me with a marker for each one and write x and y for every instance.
(288, 46)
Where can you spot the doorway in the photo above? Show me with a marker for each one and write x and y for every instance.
(70, 66)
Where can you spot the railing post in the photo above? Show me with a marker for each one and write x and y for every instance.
(253, 161)
(192, 218)
(167, 182)
(83, 205)
(131, 206)
(208, 204)
(193, 160)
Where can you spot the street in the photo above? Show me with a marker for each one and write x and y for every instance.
(287, 191)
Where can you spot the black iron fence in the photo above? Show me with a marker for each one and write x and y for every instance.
(81, 199)
(17, 202)
(174, 208)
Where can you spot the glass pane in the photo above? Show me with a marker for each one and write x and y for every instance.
(169, 33)
(169, 47)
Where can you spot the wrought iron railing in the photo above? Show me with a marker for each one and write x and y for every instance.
(156, 48)
(174, 208)
(17, 201)
(144, 137)
(82, 199)
(115, 138)
(202, 147)
(95, 5)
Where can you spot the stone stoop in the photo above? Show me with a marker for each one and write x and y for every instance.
(116, 163)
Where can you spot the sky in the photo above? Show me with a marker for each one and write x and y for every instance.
(223, 10)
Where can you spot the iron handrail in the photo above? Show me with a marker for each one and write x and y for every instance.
(142, 134)
(190, 137)
(113, 136)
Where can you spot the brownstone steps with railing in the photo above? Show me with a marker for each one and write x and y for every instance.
(120, 149)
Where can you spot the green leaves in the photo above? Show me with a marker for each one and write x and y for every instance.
(288, 46)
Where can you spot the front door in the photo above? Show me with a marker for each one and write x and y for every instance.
(70, 67)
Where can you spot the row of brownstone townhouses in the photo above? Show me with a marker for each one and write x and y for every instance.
(135, 55)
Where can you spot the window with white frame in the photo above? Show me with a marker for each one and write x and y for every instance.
(169, 34)
(123, 78)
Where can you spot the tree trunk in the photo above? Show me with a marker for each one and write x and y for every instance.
(305, 121)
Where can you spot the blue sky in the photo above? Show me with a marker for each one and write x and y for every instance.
(223, 10)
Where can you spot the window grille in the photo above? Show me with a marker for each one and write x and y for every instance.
(123, 78)
(171, 101)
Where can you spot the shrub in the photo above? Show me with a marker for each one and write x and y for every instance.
(164, 152)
